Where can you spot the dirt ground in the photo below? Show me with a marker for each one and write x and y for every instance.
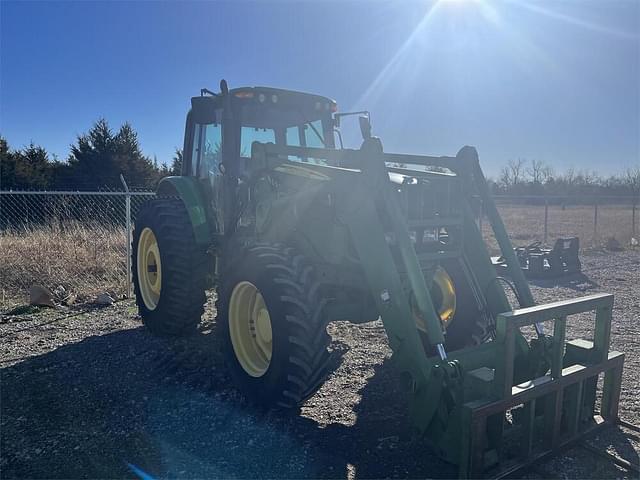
(90, 393)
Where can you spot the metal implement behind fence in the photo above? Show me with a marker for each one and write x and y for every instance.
(79, 240)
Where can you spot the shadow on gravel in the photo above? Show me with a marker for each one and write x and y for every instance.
(577, 281)
(167, 407)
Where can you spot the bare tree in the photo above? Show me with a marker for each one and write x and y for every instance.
(631, 179)
(539, 172)
(513, 173)
(569, 177)
(588, 178)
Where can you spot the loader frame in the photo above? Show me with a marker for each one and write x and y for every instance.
(459, 400)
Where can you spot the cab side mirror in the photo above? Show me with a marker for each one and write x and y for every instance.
(203, 110)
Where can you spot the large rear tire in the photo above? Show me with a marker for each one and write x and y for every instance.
(169, 268)
(273, 321)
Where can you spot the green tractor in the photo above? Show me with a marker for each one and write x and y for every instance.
(295, 232)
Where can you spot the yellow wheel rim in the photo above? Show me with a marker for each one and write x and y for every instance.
(149, 268)
(250, 329)
(446, 294)
(448, 306)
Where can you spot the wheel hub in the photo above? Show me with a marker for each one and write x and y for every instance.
(149, 268)
(250, 329)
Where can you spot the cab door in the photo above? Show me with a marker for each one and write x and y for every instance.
(206, 165)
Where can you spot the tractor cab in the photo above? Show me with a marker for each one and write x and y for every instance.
(221, 128)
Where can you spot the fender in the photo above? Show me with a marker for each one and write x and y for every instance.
(188, 190)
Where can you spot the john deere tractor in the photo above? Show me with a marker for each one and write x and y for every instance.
(295, 232)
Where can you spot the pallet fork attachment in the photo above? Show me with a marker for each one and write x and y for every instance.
(557, 409)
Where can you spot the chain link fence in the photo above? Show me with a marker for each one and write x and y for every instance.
(74, 243)
(77, 243)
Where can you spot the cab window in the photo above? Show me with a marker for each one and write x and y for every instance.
(304, 136)
(207, 148)
(293, 136)
(248, 135)
(311, 132)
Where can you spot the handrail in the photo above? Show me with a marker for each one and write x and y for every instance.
(540, 313)
(337, 156)
(509, 322)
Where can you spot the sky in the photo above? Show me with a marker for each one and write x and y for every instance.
(557, 81)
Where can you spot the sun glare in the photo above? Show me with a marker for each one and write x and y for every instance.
(489, 35)
(408, 61)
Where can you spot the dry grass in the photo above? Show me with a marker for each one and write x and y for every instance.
(85, 259)
(88, 258)
(525, 224)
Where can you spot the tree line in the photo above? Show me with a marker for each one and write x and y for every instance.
(522, 177)
(95, 162)
(99, 156)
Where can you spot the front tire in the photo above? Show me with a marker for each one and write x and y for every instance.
(273, 321)
(169, 268)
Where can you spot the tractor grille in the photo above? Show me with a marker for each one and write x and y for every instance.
(431, 200)
(433, 211)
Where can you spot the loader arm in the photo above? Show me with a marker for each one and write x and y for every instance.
(396, 282)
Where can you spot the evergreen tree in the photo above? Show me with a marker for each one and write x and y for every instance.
(28, 169)
(7, 166)
(137, 169)
(92, 158)
(100, 156)
(176, 163)
(33, 167)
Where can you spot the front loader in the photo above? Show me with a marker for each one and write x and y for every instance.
(295, 233)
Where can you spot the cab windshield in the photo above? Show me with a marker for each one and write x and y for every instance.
(291, 126)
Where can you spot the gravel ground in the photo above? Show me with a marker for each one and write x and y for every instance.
(90, 393)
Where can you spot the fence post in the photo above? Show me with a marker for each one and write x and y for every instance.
(595, 222)
(128, 232)
(546, 217)
(26, 211)
(633, 218)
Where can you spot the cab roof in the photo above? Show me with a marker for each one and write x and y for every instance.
(266, 107)
(291, 95)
